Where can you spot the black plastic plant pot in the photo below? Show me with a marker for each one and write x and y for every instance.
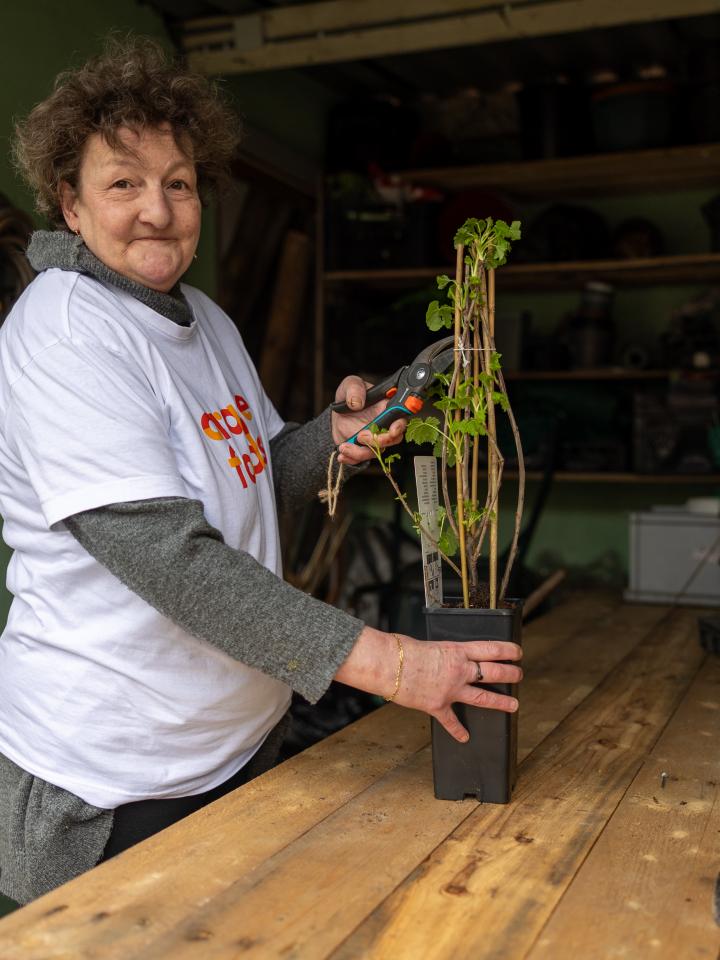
(486, 766)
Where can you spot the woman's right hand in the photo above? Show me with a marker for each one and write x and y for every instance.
(434, 675)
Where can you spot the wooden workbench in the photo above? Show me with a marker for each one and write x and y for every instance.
(342, 852)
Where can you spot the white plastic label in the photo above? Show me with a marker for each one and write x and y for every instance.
(426, 480)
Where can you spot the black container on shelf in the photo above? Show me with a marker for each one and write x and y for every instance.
(591, 333)
(711, 212)
(555, 119)
(370, 130)
(375, 235)
(636, 115)
(486, 766)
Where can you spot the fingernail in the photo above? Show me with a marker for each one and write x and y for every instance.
(464, 738)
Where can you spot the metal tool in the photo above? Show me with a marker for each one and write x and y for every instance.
(406, 388)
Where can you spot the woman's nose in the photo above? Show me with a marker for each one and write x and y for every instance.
(155, 209)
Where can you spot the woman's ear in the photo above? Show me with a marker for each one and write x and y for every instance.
(68, 204)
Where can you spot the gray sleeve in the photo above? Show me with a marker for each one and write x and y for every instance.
(299, 457)
(165, 551)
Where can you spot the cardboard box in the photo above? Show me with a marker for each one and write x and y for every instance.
(674, 558)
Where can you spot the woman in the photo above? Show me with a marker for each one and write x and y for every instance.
(151, 647)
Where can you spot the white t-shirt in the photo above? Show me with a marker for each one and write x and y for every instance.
(103, 400)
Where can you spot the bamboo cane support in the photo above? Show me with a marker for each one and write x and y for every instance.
(459, 479)
(492, 456)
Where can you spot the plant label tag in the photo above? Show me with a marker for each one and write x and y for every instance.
(426, 480)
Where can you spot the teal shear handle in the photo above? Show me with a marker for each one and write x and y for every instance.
(383, 420)
(406, 388)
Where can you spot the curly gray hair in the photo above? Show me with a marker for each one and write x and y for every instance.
(133, 83)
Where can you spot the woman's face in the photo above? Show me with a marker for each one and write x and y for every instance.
(137, 210)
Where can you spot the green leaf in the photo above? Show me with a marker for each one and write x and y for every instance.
(436, 388)
(442, 281)
(448, 404)
(474, 427)
(448, 541)
(502, 399)
(423, 431)
(437, 452)
(472, 516)
(437, 316)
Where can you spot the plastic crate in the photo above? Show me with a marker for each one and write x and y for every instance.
(666, 549)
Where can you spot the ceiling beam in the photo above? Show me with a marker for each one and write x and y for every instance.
(333, 31)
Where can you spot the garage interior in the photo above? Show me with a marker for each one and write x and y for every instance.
(597, 128)
(373, 130)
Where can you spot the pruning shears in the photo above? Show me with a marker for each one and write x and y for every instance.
(406, 388)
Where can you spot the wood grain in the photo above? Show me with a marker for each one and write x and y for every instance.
(150, 888)
(323, 839)
(303, 901)
(647, 887)
(488, 891)
(136, 897)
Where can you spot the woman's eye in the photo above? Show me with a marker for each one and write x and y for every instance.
(122, 184)
(178, 185)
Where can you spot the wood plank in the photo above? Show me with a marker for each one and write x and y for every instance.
(286, 309)
(306, 19)
(589, 373)
(390, 37)
(687, 268)
(355, 857)
(330, 16)
(575, 614)
(319, 318)
(654, 868)
(563, 677)
(672, 479)
(521, 858)
(152, 887)
(643, 171)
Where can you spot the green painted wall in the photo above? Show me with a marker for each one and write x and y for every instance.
(41, 39)
(289, 106)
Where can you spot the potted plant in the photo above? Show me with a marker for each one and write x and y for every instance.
(462, 525)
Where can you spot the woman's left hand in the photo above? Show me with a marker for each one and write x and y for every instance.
(352, 390)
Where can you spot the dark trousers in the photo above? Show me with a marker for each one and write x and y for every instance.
(133, 822)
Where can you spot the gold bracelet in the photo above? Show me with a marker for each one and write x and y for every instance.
(401, 659)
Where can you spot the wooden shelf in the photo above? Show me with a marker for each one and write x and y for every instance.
(565, 476)
(692, 268)
(607, 373)
(582, 476)
(639, 171)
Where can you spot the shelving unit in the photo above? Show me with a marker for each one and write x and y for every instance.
(571, 476)
(683, 269)
(606, 477)
(637, 172)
